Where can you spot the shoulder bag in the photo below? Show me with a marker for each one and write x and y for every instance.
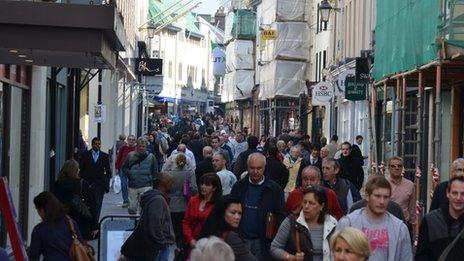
(79, 251)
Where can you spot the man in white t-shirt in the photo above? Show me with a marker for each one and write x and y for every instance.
(227, 177)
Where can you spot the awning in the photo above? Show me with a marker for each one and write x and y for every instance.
(61, 35)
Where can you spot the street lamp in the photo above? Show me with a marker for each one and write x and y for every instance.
(324, 10)
(151, 30)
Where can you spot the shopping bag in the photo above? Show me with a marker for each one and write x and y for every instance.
(117, 184)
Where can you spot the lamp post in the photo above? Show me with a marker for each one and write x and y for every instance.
(151, 30)
(324, 10)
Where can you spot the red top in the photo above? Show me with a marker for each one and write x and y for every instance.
(122, 155)
(194, 218)
(333, 207)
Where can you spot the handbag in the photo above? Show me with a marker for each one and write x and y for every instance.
(79, 251)
(186, 188)
(271, 225)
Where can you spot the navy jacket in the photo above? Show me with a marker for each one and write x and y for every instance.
(271, 201)
(96, 172)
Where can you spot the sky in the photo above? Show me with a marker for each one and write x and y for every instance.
(208, 6)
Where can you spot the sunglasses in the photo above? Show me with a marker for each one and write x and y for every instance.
(396, 166)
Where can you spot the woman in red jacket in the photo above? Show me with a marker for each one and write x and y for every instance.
(200, 206)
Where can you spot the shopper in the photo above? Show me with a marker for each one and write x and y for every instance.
(350, 244)
(307, 234)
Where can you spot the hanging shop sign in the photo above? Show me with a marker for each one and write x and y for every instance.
(362, 70)
(354, 91)
(269, 34)
(322, 93)
(148, 66)
(342, 77)
(219, 61)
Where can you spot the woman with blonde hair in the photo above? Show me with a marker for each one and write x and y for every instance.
(350, 244)
(184, 186)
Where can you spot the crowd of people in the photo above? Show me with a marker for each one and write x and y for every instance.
(206, 190)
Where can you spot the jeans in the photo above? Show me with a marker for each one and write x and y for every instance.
(124, 191)
(134, 199)
(163, 255)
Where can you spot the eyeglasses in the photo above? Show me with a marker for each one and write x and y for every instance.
(396, 166)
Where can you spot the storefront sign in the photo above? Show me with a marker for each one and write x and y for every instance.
(322, 93)
(341, 79)
(354, 91)
(269, 34)
(149, 67)
(362, 70)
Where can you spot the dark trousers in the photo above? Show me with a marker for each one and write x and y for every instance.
(98, 192)
(176, 219)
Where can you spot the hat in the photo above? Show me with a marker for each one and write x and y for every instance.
(294, 200)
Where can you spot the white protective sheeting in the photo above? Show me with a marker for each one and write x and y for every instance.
(283, 10)
(237, 85)
(292, 42)
(281, 79)
(239, 55)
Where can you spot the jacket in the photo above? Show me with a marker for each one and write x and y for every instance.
(439, 196)
(194, 219)
(435, 234)
(346, 192)
(351, 169)
(399, 242)
(99, 172)
(177, 201)
(70, 194)
(122, 155)
(154, 231)
(239, 247)
(140, 174)
(333, 207)
(284, 242)
(203, 167)
(276, 171)
(271, 201)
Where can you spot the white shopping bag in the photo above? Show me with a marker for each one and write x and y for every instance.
(117, 184)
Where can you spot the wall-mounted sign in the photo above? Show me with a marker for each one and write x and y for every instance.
(341, 79)
(354, 91)
(322, 93)
(362, 70)
(149, 67)
(99, 115)
(269, 34)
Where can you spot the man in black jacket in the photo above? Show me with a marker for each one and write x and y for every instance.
(206, 165)
(241, 164)
(261, 198)
(441, 226)
(439, 194)
(96, 170)
(351, 167)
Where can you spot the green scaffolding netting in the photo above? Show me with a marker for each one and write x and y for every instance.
(405, 35)
(164, 10)
(244, 24)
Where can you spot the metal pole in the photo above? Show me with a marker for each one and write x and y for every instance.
(373, 157)
(397, 118)
(403, 117)
(419, 120)
(99, 102)
(384, 121)
(438, 119)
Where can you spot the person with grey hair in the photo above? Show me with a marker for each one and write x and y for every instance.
(212, 249)
(206, 165)
(141, 168)
(170, 164)
(263, 211)
(439, 195)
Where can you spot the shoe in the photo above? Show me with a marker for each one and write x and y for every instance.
(125, 205)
